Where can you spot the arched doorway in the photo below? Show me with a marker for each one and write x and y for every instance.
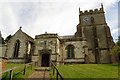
(45, 60)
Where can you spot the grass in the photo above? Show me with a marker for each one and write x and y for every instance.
(88, 71)
(18, 73)
(52, 75)
(11, 65)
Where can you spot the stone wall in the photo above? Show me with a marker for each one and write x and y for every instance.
(23, 48)
(57, 47)
(98, 19)
(11, 45)
(2, 50)
(94, 28)
(79, 51)
(46, 42)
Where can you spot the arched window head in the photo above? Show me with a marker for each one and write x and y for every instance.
(70, 51)
(16, 49)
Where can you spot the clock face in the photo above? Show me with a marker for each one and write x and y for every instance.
(86, 19)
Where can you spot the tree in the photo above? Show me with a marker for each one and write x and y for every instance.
(8, 38)
(118, 42)
(116, 50)
(2, 40)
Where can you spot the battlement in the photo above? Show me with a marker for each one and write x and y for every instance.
(92, 11)
(47, 35)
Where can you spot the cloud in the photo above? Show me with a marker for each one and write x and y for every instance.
(39, 16)
(8, 20)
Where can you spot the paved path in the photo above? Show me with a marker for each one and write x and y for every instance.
(40, 74)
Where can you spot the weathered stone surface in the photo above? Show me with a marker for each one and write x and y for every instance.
(91, 43)
(94, 28)
(2, 50)
(23, 49)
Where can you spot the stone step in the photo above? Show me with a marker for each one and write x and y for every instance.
(42, 69)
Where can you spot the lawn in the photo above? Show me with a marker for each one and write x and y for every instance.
(89, 71)
(18, 73)
(11, 65)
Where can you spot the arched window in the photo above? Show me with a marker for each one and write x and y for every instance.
(70, 51)
(16, 49)
(92, 20)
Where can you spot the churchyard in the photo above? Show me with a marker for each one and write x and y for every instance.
(69, 71)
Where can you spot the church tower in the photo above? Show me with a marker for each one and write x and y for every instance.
(92, 25)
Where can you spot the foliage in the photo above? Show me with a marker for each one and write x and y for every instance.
(8, 38)
(116, 49)
(53, 74)
(2, 40)
(118, 42)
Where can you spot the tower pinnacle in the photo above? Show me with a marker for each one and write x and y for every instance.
(102, 7)
(79, 10)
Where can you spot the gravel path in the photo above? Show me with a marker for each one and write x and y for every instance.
(40, 75)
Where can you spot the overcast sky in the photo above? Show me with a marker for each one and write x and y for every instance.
(52, 16)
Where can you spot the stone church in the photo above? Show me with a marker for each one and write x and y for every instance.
(91, 43)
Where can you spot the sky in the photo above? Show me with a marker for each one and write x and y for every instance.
(53, 16)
